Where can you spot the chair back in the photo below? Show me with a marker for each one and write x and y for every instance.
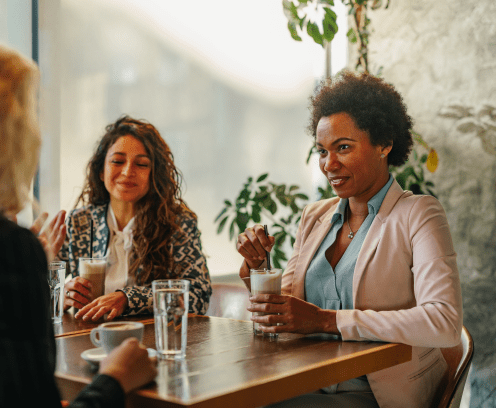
(229, 300)
(459, 359)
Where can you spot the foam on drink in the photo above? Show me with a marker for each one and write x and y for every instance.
(94, 271)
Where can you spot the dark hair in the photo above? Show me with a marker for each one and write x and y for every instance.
(157, 212)
(374, 105)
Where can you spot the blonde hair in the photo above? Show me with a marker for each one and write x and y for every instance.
(19, 132)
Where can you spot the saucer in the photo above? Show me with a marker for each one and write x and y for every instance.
(95, 355)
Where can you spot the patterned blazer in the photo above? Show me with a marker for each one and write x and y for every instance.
(187, 252)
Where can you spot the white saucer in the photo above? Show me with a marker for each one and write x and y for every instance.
(95, 355)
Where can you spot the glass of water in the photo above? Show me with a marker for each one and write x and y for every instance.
(170, 309)
(56, 280)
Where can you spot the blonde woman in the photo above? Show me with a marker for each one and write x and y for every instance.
(27, 345)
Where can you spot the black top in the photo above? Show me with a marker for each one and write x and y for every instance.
(27, 344)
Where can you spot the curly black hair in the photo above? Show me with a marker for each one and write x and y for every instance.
(375, 107)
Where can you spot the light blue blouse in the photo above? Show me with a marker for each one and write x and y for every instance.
(330, 288)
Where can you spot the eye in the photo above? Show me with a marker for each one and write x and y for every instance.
(143, 165)
(321, 152)
(343, 147)
(117, 161)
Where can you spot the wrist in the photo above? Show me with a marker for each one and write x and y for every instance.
(329, 323)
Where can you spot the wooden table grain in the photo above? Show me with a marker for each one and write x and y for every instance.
(226, 365)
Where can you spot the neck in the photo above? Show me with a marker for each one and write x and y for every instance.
(358, 205)
(123, 212)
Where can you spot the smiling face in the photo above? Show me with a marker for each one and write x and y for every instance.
(348, 159)
(126, 174)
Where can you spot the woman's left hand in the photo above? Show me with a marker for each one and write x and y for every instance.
(293, 315)
(114, 304)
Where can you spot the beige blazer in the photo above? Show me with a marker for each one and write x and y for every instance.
(406, 289)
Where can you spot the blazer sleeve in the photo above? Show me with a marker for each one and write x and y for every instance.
(190, 264)
(436, 318)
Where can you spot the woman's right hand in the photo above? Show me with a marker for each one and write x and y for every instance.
(130, 365)
(77, 293)
(252, 244)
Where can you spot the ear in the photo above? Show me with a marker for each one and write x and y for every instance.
(386, 149)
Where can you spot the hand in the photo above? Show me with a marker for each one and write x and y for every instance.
(252, 244)
(294, 315)
(130, 365)
(77, 293)
(114, 304)
(54, 234)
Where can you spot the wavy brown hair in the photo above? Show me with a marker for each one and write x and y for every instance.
(158, 212)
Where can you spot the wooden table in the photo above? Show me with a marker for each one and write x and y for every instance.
(226, 365)
(71, 326)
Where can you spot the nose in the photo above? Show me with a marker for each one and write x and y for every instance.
(128, 169)
(331, 163)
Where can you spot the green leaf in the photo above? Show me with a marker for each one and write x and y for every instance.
(228, 203)
(423, 159)
(262, 177)
(352, 37)
(231, 230)
(301, 196)
(293, 188)
(329, 24)
(313, 31)
(221, 214)
(242, 221)
(270, 205)
(330, 2)
(255, 214)
(221, 225)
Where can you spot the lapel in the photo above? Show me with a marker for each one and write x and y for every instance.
(374, 235)
(309, 248)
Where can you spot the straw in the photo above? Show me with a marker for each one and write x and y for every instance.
(267, 253)
(91, 238)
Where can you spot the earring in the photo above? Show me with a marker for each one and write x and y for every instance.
(383, 155)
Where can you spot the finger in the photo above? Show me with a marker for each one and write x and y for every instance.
(71, 302)
(99, 313)
(252, 244)
(264, 239)
(269, 298)
(78, 297)
(86, 310)
(38, 223)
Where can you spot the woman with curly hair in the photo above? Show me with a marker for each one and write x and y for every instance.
(375, 263)
(132, 198)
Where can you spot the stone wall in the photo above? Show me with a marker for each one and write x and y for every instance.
(440, 54)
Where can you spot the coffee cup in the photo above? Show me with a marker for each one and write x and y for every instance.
(110, 335)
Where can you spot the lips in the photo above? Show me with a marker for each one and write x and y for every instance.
(337, 181)
(127, 184)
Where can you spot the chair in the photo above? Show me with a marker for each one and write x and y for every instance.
(229, 300)
(459, 359)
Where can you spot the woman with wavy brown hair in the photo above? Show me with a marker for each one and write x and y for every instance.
(134, 214)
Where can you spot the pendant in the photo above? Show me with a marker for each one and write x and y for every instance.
(351, 235)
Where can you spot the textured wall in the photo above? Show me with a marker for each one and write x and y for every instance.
(437, 54)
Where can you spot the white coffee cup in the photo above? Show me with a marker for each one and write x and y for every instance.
(112, 334)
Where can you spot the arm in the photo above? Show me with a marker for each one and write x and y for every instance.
(435, 320)
(190, 264)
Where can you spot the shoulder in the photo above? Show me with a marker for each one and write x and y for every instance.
(417, 205)
(81, 216)
(17, 241)
(187, 221)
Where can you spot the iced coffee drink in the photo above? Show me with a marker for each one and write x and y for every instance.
(264, 281)
(94, 270)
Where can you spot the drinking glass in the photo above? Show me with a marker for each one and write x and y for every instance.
(170, 308)
(264, 281)
(56, 280)
(94, 269)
